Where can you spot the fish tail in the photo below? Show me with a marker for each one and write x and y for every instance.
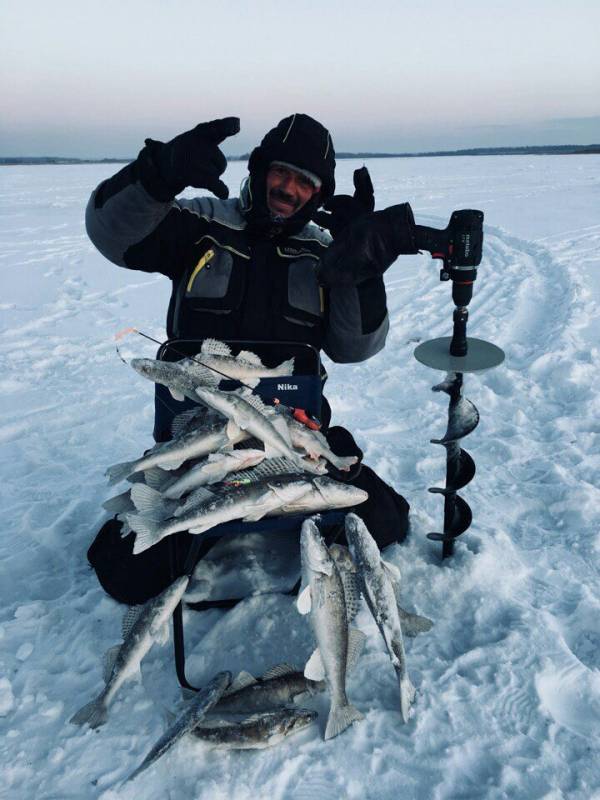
(118, 503)
(286, 367)
(147, 533)
(151, 503)
(340, 718)
(118, 472)
(407, 695)
(93, 713)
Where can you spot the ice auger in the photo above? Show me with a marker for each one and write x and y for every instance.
(460, 248)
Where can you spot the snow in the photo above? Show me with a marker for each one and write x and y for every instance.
(508, 680)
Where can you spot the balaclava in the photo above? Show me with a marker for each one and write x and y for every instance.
(299, 141)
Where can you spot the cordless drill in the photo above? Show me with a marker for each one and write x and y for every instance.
(459, 247)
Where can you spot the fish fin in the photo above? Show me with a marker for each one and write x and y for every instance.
(130, 617)
(413, 624)
(304, 601)
(157, 478)
(195, 498)
(147, 532)
(232, 430)
(183, 421)
(340, 718)
(151, 503)
(93, 713)
(118, 472)
(278, 671)
(315, 669)
(200, 528)
(214, 347)
(250, 358)
(118, 503)
(109, 661)
(356, 643)
(240, 682)
(391, 571)
(286, 367)
(179, 396)
(256, 402)
(407, 696)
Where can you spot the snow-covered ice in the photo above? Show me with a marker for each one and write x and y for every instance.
(508, 680)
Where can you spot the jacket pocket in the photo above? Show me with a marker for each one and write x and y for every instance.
(305, 302)
(216, 283)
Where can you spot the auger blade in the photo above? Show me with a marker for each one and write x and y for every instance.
(462, 517)
(463, 418)
(460, 472)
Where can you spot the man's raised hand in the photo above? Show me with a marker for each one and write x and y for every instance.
(344, 209)
(194, 158)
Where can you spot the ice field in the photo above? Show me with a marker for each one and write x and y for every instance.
(508, 680)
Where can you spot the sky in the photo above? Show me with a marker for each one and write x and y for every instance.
(89, 79)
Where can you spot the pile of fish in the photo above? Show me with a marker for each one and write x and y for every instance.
(333, 580)
(279, 467)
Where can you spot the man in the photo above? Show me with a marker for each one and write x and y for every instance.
(271, 275)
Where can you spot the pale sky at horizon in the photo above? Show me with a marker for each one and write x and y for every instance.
(91, 79)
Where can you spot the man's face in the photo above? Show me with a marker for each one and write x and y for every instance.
(287, 190)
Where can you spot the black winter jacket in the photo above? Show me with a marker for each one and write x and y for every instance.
(229, 284)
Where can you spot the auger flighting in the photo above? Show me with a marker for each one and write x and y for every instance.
(460, 249)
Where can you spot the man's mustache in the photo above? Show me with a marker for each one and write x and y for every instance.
(279, 194)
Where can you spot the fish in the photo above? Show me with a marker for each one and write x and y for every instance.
(199, 706)
(314, 443)
(325, 494)
(215, 357)
(378, 590)
(338, 646)
(412, 624)
(214, 469)
(177, 379)
(250, 503)
(248, 412)
(140, 631)
(270, 467)
(279, 686)
(257, 731)
(172, 454)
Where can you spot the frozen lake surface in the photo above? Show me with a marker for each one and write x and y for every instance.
(508, 680)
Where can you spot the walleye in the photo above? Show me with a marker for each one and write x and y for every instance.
(257, 731)
(337, 645)
(248, 412)
(325, 494)
(172, 454)
(250, 503)
(379, 593)
(245, 367)
(315, 444)
(279, 686)
(214, 469)
(201, 703)
(123, 661)
(175, 377)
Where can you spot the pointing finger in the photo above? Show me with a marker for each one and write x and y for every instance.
(218, 129)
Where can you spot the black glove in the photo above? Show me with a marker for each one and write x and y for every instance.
(368, 246)
(346, 209)
(191, 159)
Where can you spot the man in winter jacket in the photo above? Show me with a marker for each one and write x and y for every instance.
(255, 268)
